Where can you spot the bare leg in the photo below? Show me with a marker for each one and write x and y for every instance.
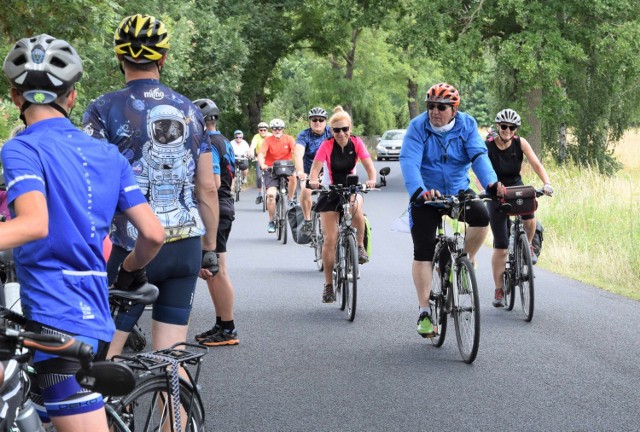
(530, 228)
(271, 202)
(421, 271)
(221, 290)
(305, 201)
(91, 421)
(498, 260)
(329, 222)
(474, 238)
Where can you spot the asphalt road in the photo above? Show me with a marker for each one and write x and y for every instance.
(301, 366)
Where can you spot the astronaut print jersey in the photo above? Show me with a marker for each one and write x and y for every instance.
(162, 135)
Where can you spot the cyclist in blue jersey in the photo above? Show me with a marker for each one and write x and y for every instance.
(307, 143)
(220, 287)
(438, 149)
(162, 134)
(63, 188)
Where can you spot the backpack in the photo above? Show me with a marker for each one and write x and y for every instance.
(537, 239)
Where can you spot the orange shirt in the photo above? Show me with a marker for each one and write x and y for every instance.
(275, 149)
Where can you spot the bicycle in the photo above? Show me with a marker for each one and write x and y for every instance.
(518, 272)
(105, 377)
(345, 268)
(316, 234)
(454, 289)
(282, 170)
(242, 163)
(160, 394)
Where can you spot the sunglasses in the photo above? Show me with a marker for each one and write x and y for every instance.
(441, 107)
(340, 129)
(318, 120)
(262, 130)
(510, 127)
(277, 128)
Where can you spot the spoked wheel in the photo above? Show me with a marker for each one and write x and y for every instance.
(282, 219)
(467, 312)
(277, 216)
(509, 290)
(338, 280)
(350, 286)
(264, 200)
(147, 408)
(437, 301)
(526, 277)
(318, 240)
(238, 187)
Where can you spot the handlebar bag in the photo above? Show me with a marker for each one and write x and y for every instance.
(519, 200)
(283, 168)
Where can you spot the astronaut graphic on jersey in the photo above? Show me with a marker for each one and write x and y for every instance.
(165, 173)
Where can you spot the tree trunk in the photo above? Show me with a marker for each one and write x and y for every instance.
(562, 145)
(254, 110)
(412, 98)
(350, 58)
(534, 98)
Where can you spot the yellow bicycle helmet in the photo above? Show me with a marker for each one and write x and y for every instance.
(141, 39)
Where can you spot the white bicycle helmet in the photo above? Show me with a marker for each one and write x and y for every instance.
(508, 116)
(263, 125)
(317, 112)
(42, 68)
(276, 123)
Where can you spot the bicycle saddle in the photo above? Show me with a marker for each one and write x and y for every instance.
(145, 295)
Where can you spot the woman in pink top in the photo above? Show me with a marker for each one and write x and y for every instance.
(339, 156)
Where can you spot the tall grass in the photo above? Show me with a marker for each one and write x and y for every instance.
(592, 227)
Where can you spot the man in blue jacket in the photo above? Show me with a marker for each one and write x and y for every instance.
(438, 149)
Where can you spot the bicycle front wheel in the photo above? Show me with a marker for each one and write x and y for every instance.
(350, 285)
(509, 288)
(147, 408)
(437, 300)
(238, 187)
(282, 221)
(525, 277)
(318, 240)
(466, 313)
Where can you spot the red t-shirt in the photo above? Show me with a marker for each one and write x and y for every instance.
(275, 149)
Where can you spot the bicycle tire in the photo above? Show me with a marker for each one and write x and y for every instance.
(318, 241)
(283, 219)
(337, 279)
(238, 187)
(526, 277)
(437, 299)
(350, 285)
(142, 409)
(276, 218)
(466, 313)
(509, 288)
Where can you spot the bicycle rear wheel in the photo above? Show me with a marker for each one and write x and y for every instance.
(318, 240)
(437, 300)
(350, 286)
(509, 289)
(147, 408)
(525, 277)
(466, 313)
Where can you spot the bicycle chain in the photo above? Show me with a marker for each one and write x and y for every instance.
(174, 384)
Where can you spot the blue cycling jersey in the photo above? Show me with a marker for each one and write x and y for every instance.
(311, 142)
(162, 134)
(224, 166)
(63, 279)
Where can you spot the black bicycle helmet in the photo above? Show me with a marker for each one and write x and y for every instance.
(317, 112)
(208, 108)
(508, 116)
(141, 39)
(42, 68)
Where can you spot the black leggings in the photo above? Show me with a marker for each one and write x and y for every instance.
(500, 225)
(424, 221)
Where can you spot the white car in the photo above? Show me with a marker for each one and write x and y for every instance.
(389, 144)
